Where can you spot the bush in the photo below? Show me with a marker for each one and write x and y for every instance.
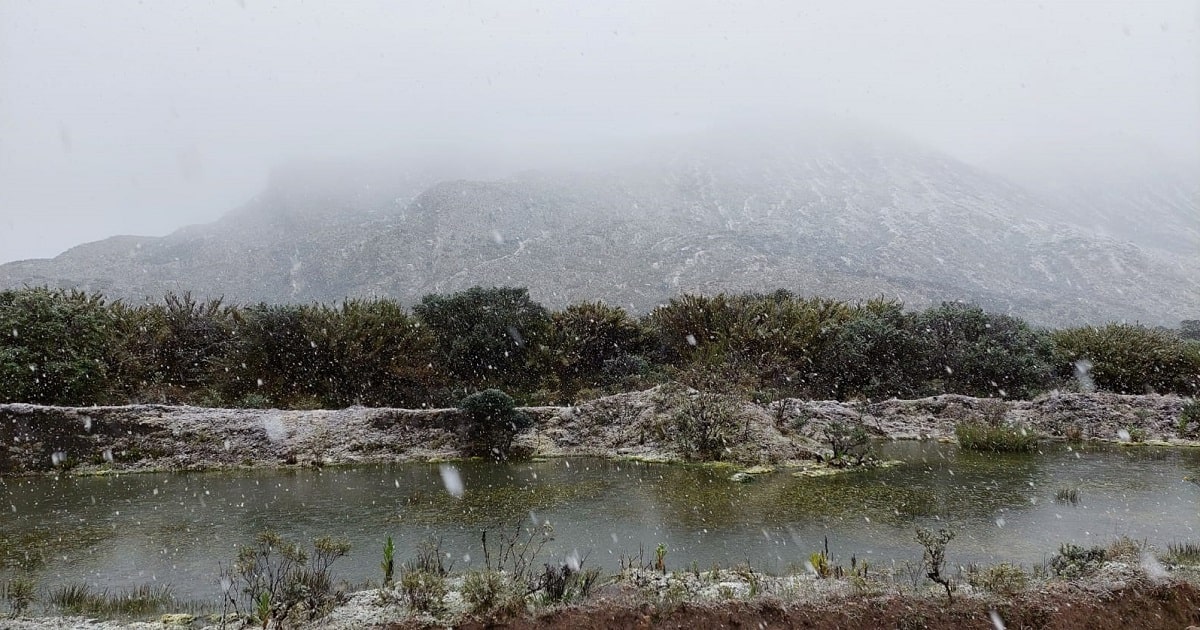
(492, 421)
(485, 591)
(849, 443)
(1073, 561)
(1004, 578)
(1131, 359)
(54, 347)
(423, 591)
(966, 350)
(278, 577)
(706, 425)
(18, 592)
(1189, 419)
(487, 336)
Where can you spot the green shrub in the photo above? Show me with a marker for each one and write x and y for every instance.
(1189, 419)
(290, 582)
(54, 347)
(705, 425)
(424, 591)
(1004, 578)
(1131, 359)
(849, 443)
(965, 350)
(488, 336)
(492, 421)
(1073, 561)
(485, 591)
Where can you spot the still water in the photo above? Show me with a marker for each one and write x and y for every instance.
(120, 531)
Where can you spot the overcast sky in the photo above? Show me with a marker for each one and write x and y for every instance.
(122, 117)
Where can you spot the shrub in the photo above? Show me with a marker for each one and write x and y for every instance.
(590, 336)
(278, 574)
(935, 556)
(849, 443)
(706, 425)
(485, 591)
(966, 350)
(1073, 561)
(487, 336)
(492, 421)
(560, 584)
(54, 347)
(1131, 359)
(1004, 578)
(1189, 419)
(423, 591)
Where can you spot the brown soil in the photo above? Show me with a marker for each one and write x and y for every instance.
(1146, 607)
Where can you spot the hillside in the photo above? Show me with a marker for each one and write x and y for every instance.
(820, 212)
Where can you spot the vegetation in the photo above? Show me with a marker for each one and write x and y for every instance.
(277, 581)
(18, 593)
(981, 436)
(72, 348)
(492, 422)
(935, 557)
(81, 599)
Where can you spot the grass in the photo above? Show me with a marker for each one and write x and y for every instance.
(1067, 495)
(979, 436)
(140, 601)
(1186, 552)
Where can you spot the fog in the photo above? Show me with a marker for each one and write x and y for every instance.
(130, 118)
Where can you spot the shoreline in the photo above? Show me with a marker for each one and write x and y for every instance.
(785, 434)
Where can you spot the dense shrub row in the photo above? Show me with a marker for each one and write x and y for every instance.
(63, 347)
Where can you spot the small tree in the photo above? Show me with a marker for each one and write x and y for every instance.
(935, 556)
(492, 420)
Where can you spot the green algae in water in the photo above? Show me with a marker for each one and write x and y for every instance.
(487, 505)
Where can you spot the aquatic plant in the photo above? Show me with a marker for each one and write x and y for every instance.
(660, 558)
(1186, 552)
(1067, 495)
(18, 592)
(79, 599)
(982, 436)
(388, 565)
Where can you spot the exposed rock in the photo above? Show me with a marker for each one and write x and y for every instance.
(638, 425)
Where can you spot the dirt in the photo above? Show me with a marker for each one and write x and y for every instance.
(1147, 606)
(642, 425)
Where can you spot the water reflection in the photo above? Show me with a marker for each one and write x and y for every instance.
(125, 530)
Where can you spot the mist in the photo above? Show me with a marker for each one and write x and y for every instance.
(130, 118)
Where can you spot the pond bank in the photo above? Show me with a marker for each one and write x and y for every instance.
(640, 425)
(1115, 594)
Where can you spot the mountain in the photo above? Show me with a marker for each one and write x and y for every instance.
(821, 211)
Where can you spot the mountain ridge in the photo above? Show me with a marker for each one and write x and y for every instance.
(828, 214)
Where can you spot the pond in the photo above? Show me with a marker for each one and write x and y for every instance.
(119, 531)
